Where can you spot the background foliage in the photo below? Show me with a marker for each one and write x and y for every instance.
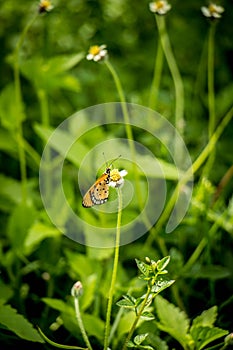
(38, 264)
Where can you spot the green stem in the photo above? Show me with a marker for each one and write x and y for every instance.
(156, 77)
(60, 346)
(211, 96)
(80, 323)
(132, 329)
(114, 272)
(178, 84)
(123, 101)
(189, 173)
(195, 256)
(129, 137)
(44, 106)
(20, 114)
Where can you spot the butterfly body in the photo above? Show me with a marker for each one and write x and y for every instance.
(99, 192)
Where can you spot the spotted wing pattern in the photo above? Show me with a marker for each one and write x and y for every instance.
(99, 192)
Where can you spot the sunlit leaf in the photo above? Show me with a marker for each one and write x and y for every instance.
(172, 321)
(161, 264)
(140, 338)
(18, 324)
(205, 335)
(206, 319)
(37, 233)
(20, 221)
(143, 267)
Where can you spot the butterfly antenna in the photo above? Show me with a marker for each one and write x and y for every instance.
(106, 164)
(114, 160)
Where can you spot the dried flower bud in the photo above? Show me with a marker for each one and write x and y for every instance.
(77, 289)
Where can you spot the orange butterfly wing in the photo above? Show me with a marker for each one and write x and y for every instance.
(97, 193)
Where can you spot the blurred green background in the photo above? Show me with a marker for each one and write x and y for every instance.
(129, 31)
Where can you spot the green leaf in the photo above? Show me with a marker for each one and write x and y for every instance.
(10, 111)
(213, 272)
(130, 344)
(18, 324)
(61, 142)
(205, 335)
(161, 264)
(161, 284)
(51, 74)
(20, 221)
(125, 323)
(157, 342)
(6, 292)
(127, 302)
(148, 316)
(37, 233)
(11, 189)
(206, 319)
(59, 305)
(8, 143)
(140, 338)
(89, 287)
(173, 321)
(143, 267)
(94, 326)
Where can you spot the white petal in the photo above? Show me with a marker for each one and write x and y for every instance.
(112, 184)
(123, 173)
(89, 57)
(205, 11)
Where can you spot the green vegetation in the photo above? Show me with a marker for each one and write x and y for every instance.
(178, 64)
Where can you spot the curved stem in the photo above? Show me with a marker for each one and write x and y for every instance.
(211, 95)
(114, 272)
(156, 77)
(189, 173)
(129, 136)
(178, 83)
(80, 323)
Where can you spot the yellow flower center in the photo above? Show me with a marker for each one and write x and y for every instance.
(212, 8)
(160, 4)
(94, 50)
(115, 175)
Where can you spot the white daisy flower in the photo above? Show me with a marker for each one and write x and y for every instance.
(117, 178)
(97, 53)
(45, 6)
(212, 11)
(160, 7)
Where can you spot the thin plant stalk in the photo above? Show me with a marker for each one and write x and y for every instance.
(128, 133)
(211, 95)
(138, 315)
(178, 83)
(80, 323)
(156, 77)
(195, 166)
(114, 272)
(44, 106)
(20, 114)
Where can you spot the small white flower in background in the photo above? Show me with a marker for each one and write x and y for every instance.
(45, 6)
(97, 53)
(159, 7)
(117, 178)
(77, 289)
(212, 11)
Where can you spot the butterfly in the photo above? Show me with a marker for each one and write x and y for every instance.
(99, 192)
